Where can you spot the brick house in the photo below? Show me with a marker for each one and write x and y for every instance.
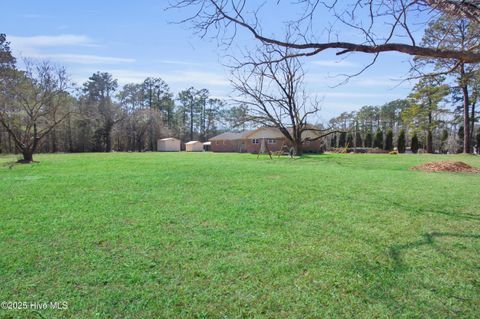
(229, 142)
(251, 141)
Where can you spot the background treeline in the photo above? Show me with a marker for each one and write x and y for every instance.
(101, 116)
(399, 122)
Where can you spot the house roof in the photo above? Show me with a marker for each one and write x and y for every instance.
(274, 132)
(261, 132)
(230, 136)
(192, 142)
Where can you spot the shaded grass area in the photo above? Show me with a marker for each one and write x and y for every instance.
(228, 236)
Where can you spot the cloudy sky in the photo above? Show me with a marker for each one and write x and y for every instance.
(137, 39)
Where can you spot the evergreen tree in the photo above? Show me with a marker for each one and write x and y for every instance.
(342, 139)
(477, 141)
(350, 140)
(389, 141)
(461, 135)
(401, 142)
(443, 141)
(424, 108)
(358, 140)
(414, 146)
(368, 139)
(378, 142)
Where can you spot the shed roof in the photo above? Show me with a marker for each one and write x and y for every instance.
(207, 143)
(169, 139)
(192, 142)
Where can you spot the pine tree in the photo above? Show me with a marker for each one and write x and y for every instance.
(389, 141)
(414, 146)
(443, 141)
(477, 141)
(401, 142)
(368, 139)
(378, 142)
(358, 140)
(461, 135)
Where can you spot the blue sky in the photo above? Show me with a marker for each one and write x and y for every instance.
(136, 39)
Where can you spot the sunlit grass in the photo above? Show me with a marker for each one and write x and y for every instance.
(204, 235)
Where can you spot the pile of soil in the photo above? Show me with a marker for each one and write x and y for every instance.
(447, 166)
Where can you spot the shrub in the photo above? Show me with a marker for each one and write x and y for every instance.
(368, 139)
(401, 142)
(414, 146)
(389, 141)
(378, 141)
(393, 153)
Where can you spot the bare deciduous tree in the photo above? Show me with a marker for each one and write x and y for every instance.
(382, 25)
(33, 106)
(276, 97)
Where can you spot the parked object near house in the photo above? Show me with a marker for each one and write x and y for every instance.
(251, 141)
(169, 144)
(207, 146)
(194, 146)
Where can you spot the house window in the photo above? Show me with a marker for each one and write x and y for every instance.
(255, 141)
(271, 141)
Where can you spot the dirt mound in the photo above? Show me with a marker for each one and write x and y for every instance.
(447, 166)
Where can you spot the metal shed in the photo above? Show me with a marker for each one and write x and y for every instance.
(169, 144)
(194, 146)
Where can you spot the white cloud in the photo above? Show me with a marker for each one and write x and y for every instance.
(335, 63)
(81, 58)
(34, 47)
(50, 41)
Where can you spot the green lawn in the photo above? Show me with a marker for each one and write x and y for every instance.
(167, 235)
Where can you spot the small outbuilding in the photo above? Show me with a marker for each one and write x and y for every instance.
(194, 146)
(169, 144)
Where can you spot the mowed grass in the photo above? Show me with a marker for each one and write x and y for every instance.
(179, 235)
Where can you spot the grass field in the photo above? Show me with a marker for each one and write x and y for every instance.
(228, 236)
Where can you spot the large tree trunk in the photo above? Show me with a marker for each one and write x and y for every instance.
(54, 141)
(27, 157)
(191, 123)
(108, 138)
(466, 121)
(429, 134)
(472, 126)
(298, 148)
(466, 115)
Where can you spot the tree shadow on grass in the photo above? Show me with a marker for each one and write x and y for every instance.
(396, 252)
(448, 213)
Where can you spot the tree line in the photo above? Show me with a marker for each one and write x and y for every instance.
(445, 60)
(41, 110)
